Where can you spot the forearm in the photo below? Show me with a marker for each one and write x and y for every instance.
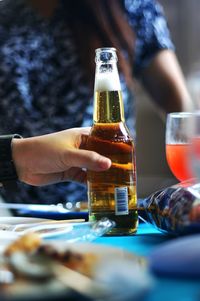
(164, 81)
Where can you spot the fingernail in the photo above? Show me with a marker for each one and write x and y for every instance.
(105, 163)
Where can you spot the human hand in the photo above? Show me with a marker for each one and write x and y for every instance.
(56, 157)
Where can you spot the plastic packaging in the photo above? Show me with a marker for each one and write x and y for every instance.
(174, 210)
(87, 231)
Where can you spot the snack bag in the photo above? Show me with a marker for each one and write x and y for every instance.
(174, 210)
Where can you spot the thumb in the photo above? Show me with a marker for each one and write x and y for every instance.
(87, 159)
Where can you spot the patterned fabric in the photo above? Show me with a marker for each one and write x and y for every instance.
(150, 27)
(42, 87)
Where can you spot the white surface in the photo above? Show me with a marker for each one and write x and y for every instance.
(4, 211)
(13, 224)
(15, 220)
(6, 237)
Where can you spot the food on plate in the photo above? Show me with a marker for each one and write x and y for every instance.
(46, 268)
(26, 243)
(82, 263)
(32, 245)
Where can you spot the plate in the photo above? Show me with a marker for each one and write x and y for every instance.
(124, 273)
(7, 236)
(21, 225)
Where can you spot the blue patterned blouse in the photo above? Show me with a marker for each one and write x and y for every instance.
(42, 88)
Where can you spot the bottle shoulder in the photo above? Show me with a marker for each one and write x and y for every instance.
(111, 131)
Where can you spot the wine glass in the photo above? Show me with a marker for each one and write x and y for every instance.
(178, 144)
(195, 144)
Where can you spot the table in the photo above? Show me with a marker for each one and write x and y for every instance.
(145, 241)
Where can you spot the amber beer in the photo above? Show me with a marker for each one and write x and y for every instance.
(112, 193)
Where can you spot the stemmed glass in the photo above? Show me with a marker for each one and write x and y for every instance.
(195, 145)
(178, 144)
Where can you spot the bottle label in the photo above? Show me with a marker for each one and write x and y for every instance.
(121, 201)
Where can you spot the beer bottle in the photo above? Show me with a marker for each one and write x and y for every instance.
(112, 193)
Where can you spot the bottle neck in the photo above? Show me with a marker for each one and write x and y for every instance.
(108, 104)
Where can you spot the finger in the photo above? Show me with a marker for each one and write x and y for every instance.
(87, 159)
(75, 174)
(84, 138)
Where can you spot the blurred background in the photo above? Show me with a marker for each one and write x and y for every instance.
(184, 23)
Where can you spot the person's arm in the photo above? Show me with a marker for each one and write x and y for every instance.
(155, 62)
(164, 81)
(56, 158)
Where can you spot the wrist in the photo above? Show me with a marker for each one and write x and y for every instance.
(8, 173)
(16, 149)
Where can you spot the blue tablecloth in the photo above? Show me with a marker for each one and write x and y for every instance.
(165, 289)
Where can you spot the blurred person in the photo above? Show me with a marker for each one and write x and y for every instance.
(47, 68)
(192, 82)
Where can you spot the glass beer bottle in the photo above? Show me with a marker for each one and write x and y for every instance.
(112, 193)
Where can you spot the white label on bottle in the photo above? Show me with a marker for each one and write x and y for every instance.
(121, 201)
